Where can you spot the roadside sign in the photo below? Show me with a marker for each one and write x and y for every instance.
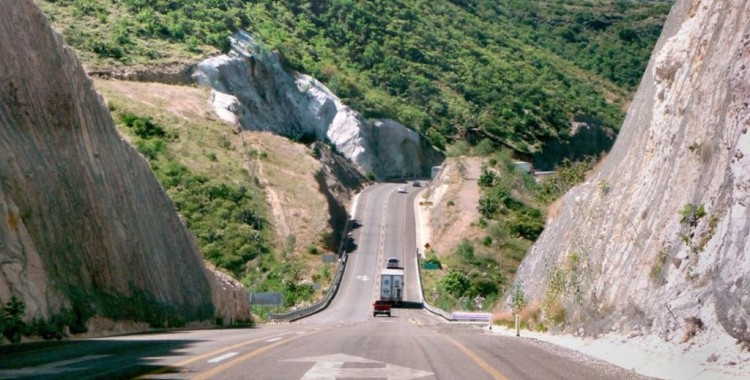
(266, 299)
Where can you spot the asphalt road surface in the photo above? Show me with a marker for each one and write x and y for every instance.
(342, 342)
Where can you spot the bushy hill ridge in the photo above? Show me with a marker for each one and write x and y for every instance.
(451, 70)
(472, 76)
(253, 200)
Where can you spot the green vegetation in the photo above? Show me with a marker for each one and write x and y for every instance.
(567, 175)
(509, 213)
(227, 217)
(657, 269)
(472, 282)
(476, 77)
(11, 323)
(595, 34)
(512, 214)
(224, 217)
(691, 214)
(518, 298)
(501, 74)
(13, 327)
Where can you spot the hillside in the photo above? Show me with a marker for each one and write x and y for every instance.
(246, 196)
(655, 242)
(538, 80)
(79, 204)
(513, 73)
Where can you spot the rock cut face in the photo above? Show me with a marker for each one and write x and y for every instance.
(659, 235)
(84, 225)
(252, 89)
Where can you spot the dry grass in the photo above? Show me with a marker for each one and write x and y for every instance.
(288, 170)
(693, 325)
(103, 28)
(212, 147)
(186, 111)
(457, 222)
(553, 210)
(530, 318)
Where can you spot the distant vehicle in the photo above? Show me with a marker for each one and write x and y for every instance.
(392, 285)
(381, 307)
(392, 262)
(402, 189)
(416, 184)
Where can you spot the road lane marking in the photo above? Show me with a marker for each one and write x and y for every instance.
(478, 360)
(221, 368)
(223, 357)
(332, 367)
(183, 363)
(274, 339)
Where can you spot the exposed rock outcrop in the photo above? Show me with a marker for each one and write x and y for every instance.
(251, 84)
(658, 237)
(588, 138)
(84, 225)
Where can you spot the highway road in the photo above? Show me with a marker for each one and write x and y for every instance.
(342, 342)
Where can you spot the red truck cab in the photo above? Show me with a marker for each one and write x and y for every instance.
(381, 307)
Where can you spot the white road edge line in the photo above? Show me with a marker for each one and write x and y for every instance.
(223, 357)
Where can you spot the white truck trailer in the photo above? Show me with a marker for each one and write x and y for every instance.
(392, 285)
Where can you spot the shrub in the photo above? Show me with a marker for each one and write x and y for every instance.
(486, 178)
(465, 251)
(433, 259)
(13, 324)
(455, 283)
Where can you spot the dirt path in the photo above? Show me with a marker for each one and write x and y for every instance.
(449, 206)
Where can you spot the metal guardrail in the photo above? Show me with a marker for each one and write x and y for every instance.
(318, 306)
(323, 303)
(458, 316)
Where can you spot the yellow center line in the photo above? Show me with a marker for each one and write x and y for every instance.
(219, 369)
(480, 362)
(207, 355)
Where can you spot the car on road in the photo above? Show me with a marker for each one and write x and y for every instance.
(416, 184)
(402, 189)
(392, 262)
(381, 307)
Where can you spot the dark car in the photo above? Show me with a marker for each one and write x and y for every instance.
(392, 262)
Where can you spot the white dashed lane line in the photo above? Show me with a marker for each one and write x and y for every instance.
(274, 340)
(223, 357)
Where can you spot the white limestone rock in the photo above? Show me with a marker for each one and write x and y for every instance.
(269, 98)
(684, 142)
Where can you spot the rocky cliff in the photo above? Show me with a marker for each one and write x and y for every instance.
(253, 89)
(656, 241)
(85, 229)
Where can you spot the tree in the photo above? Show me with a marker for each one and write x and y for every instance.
(13, 324)
(455, 283)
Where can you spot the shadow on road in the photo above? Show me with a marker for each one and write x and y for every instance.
(115, 358)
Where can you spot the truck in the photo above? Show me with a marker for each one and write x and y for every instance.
(392, 285)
